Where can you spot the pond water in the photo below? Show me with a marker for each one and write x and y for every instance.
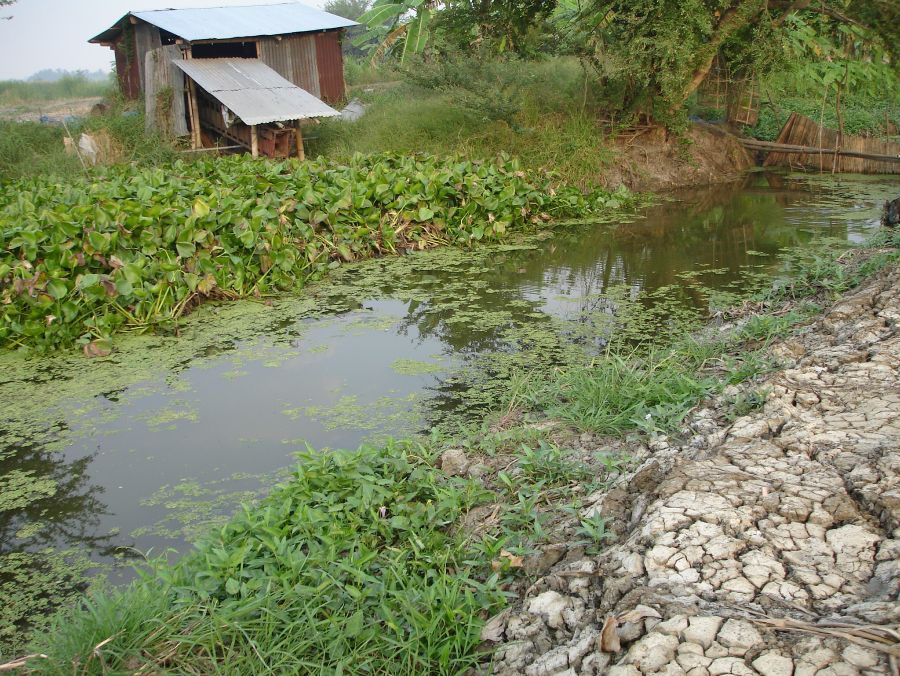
(142, 450)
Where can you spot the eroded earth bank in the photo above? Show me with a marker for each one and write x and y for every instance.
(766, 545)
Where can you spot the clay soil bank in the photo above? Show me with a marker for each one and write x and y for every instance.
(653, 160)
(767, 544)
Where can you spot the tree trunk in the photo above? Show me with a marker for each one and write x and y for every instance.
(731, 20)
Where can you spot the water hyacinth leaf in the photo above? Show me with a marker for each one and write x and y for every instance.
(124, 287)
(57, 288)
(278, 225)
(200, 208)
(87, 281)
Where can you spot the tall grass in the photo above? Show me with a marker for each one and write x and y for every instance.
(13, 92)
(32, 149)
(550, 104)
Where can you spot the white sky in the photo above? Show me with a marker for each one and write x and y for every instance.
(54, 33)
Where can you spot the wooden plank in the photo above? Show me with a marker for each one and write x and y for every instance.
(301, 154)
(254, 141)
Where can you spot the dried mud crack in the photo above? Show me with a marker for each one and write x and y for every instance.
(769, 546)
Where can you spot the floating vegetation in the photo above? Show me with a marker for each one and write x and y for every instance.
(136, 249)
(194, 507)
(20, 488)
(414, 367)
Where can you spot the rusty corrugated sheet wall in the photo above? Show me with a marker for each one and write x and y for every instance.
(293, 58)
(306, 69)
(330, 61)
(126, 64)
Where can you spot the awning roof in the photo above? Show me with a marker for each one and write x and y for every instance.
(224, 23)
(253, 91)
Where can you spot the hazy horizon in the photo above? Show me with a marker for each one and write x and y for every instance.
(46, 34)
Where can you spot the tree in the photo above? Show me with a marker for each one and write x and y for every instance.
(653, 55)
(509, 25)
(6, 3)
(401, 26)
(349, 9)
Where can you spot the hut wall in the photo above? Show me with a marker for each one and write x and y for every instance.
(127, 69)
(146, 39)
(330, 61)
(294, 58)
(164, 92)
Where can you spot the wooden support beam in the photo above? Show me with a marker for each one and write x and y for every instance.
(254, 141)
(194, 108)
(300, 152)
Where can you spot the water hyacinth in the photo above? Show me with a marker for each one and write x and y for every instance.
(134, 249)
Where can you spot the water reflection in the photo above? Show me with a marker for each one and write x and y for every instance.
(56, 504)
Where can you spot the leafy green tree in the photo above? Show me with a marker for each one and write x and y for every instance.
(349, 9)
(652, 55)
(400, 28)
(508, 25)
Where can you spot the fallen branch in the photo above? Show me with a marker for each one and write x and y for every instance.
(21, 662)
(883, 638)
(785, 148)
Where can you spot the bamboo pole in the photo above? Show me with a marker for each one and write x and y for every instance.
(254, 141)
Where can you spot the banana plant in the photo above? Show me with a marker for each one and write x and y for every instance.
(392, 24)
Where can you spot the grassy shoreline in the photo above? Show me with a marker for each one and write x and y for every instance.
(367, 561)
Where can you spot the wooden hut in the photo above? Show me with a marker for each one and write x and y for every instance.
(249, 74)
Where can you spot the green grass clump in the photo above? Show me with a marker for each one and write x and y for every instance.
(135, 249)
(32, 149)
(68, 87)
(29, 149)
(350, 565)
(617, 394)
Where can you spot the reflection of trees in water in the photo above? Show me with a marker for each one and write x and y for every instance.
(69, 517)
(45, 568)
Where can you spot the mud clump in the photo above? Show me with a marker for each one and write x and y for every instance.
(770, 545)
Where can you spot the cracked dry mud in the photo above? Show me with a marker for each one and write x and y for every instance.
(791, 513)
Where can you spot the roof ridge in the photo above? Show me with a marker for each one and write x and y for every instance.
(256, 4)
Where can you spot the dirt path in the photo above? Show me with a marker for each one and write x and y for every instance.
(57, 110)
(790, 515)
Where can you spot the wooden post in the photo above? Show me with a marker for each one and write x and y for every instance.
(254, 141)
(196, 139)
(300, 154)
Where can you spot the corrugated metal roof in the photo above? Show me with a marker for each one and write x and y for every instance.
(253, 91)
(223, 23)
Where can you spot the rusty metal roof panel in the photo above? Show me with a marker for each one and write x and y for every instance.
(253, 91)
(221, 23)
